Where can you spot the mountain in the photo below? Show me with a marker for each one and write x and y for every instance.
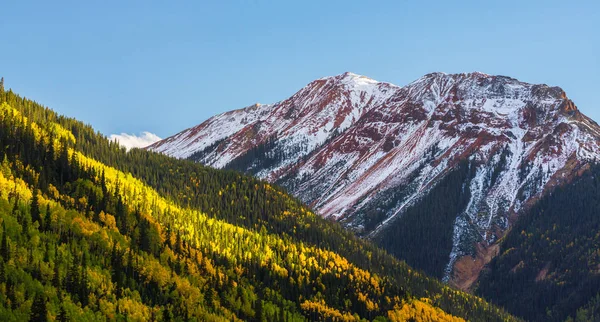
(444, 166)
(91, 231)
(366, 153)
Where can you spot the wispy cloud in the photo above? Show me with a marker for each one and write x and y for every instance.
(130, 141)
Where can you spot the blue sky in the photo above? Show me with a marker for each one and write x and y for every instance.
(133, 66)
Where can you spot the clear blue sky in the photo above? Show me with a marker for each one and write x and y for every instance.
(132, 66)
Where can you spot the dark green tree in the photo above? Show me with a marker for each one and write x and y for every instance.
(82, 286)
(62, 313)
(48, 218)
(72, 278)
(35, 208)
(4, 245)
(39, 312)
(56, 280)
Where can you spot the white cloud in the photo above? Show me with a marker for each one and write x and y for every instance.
(134, 141)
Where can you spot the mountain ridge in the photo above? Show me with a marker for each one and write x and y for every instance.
(363, 152)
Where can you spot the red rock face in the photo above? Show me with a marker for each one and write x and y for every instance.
(343, 144)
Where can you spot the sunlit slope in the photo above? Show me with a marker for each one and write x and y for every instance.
(99, 233)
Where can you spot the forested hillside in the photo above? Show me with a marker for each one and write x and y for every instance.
(549, 263)
(92, 232)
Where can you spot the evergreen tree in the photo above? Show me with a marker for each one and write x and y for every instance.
(39, 312)
(72, 279)
(48, 218)
(10, 293)
(259, 310)
(4, 245)
(56, 280)
(35, 208)
(62, 314)
(15, 209)
(82, 286)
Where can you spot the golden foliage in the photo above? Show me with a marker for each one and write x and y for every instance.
(325, 312)
(420, 310)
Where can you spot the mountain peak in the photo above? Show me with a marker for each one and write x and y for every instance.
(350, 77)
(350, 74)
(476, 74)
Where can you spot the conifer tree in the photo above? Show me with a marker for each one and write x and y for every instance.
(35, 208)
(72, 278)
(56, 281)
(39, 312)
(48, 218)
(62, 314)
(4, 246)
(83, 282)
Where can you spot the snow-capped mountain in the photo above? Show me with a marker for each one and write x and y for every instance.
(365, 152)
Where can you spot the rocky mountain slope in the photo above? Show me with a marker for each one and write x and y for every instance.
(445, 163)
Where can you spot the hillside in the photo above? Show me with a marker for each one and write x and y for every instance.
(550, 257)
(92, 232)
